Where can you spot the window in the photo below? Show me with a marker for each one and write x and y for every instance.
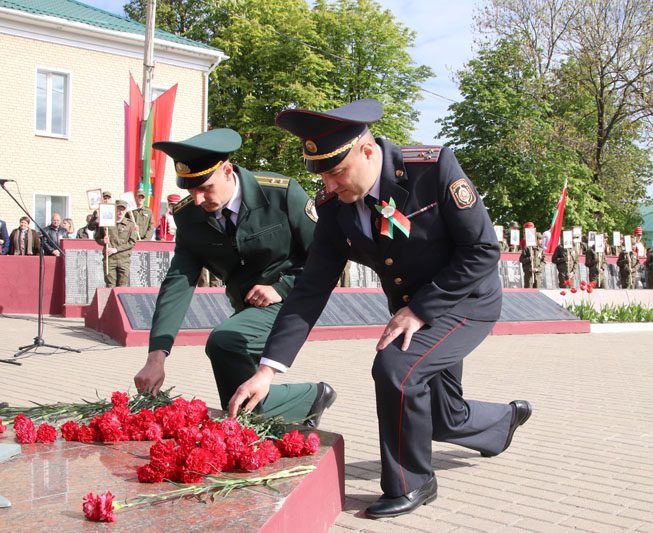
(46, 204)
(52, 103)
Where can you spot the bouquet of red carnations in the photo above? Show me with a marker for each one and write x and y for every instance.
(196, 447)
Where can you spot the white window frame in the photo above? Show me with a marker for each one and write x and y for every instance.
(48, 112)
(48, 206)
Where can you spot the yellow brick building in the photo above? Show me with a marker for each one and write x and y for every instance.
(65, 77)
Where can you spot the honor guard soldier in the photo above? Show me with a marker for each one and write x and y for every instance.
(118, 241)
(628, 263)
(142, 216)
(412, 216)
(566, 260)
(596, 264)
(253, 232)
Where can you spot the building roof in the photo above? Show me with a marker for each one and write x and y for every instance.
(85, 14)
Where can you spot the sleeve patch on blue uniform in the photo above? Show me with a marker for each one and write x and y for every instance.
(463, 194)
(310, 210)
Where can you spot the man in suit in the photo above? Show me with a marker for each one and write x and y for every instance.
(253, 232)
(411, 215)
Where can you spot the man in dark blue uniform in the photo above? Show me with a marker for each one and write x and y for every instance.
(412, 215)
(253, 232)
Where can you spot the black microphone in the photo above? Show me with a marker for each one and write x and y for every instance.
(2, 182)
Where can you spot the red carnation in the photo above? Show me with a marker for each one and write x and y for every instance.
(312, 444)
(119, 399)
(230, 426)
(153, 432)
(196, 412)
(99, 508)
(24, 429)
(86, 434)
(70, 430)
(2, 427)
(562, 293)
(567, 283)
(292, 444)
(589, 289)
(573, 290)
(46, 433)
(147, 474)
(593, 284)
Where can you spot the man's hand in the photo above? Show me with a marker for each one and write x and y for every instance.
(56, 253)
(252, 391)
(152, 375)
(262, 296)
(111, 251)
(405, 323)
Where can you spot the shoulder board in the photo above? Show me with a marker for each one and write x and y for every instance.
(182, 204)
(421, 154)
(322, 197)
(272, 180)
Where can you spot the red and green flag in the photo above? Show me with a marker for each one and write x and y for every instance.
(556, 221)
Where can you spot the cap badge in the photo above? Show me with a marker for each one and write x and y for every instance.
(310, 146)
(182, 168)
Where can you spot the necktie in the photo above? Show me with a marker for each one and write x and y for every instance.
(371, 202)
(229, 226)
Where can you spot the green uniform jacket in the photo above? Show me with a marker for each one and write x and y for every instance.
(275, 228)
(143, 218)
(122, 237)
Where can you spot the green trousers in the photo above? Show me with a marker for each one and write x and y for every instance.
(235, 347)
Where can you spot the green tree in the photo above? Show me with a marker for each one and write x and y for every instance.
(504, 141)
(594, 63)
(285, 53)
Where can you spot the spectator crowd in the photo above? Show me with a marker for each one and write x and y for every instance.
(138, 224)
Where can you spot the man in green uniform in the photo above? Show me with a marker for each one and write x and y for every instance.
(628, 262)
(118, 241)
(532, 261)
(253, 232)
(567, 262)
(597, 264)
(649, 268)
(142, 216)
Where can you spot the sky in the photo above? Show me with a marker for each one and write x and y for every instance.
(444, 42)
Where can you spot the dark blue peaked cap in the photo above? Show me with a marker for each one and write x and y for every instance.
(328, 136)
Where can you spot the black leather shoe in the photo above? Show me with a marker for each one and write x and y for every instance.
(325, 398)
(386, 507)
(521, 411)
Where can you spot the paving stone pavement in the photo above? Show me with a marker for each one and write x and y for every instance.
(584, 461)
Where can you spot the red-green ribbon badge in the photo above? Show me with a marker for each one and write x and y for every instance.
(392, 218)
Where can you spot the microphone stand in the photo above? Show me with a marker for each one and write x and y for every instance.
(38, 340)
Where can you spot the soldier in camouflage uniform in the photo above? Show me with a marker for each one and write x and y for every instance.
(118, 241)
(566, 261)
(628, 263)
(596, 263)
(532, 261)
(649, 268)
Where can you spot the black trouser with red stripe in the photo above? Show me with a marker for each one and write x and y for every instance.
(419, 398)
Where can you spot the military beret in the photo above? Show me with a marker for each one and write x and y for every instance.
(638, 231)
(329, 136)
(198, 157)
(173, 198)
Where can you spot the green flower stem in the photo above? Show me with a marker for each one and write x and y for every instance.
(217, 485)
